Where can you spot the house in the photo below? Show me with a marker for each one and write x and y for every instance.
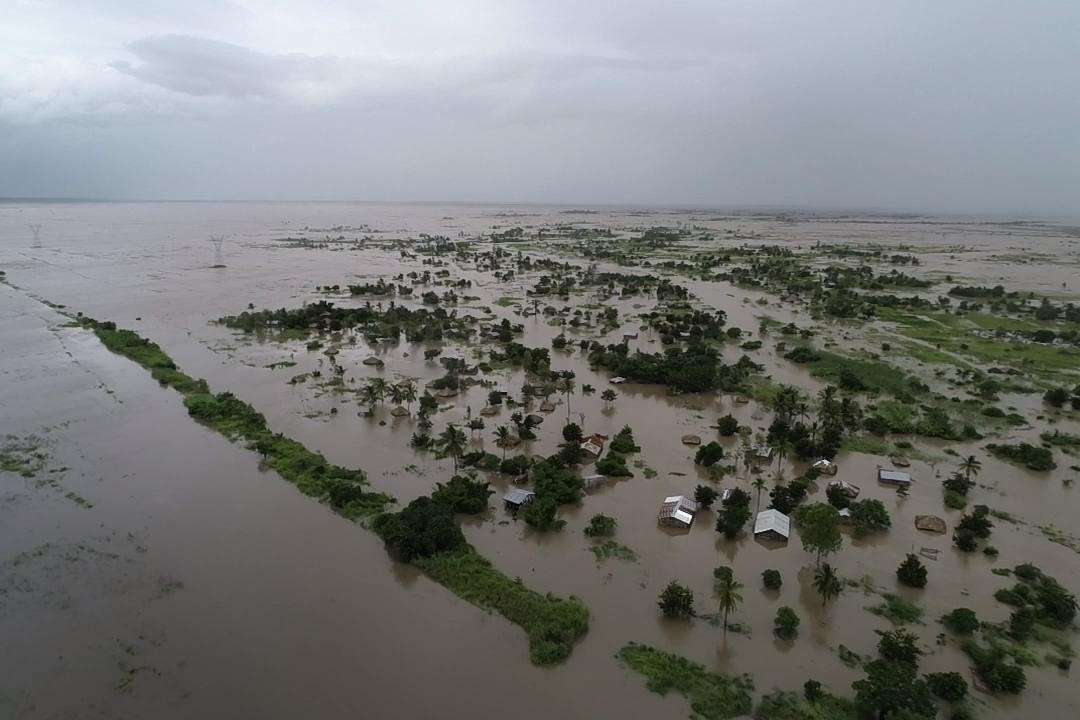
(514, 499)
(617, 380)
(594, 481)
(852, 491)
(893, 477)
(825, 466)
(593, 445)
(762, 452)
(772, 524)
(677, 511)
(629, 336)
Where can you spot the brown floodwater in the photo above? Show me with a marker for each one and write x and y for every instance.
(151, 569)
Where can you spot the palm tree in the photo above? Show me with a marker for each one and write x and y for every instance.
(783, 444)
(970, 466)
(727, 594)
(476, 425)
(759, 485)
(826, 582)
(451, 442)
(567, 390)
(381, 388)
(408, 393)
(369, 395)
(397, 394)
(502, 438)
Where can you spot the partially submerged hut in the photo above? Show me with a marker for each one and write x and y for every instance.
(825, 466)
(517, 497)
(852, 491)
(772, 524)
(677, 511)
(594, 481)
(889, 476)
(593, 445)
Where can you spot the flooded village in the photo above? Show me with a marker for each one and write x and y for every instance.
(340, 459)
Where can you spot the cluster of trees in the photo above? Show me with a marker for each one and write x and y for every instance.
(426, 526)
(960, 482)
(697, 368)
(418, 325)
(1057, 397)
(972, 527)
(376, 390)
(812, 434)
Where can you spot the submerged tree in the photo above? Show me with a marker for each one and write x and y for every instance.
(727, 595)
(826, 582)
(451, 443)
(676, 601)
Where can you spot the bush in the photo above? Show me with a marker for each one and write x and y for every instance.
(965, 540)
(421, 529)
(517, 465)
(623, 442)
(613, 465)
(705, 495)
(676, 601)
(993, 668)
(463, 495)
(912, 572)
(709, 454)
(900, 646)
(601, 526)
(869, 516)
(812, 690)
(727, 426)
(949, 686)
(1030, 456)
(786, 624)
(540, 514)
(962, 621)
(771, 579)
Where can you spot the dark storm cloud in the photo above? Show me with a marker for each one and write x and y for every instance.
(943, 106)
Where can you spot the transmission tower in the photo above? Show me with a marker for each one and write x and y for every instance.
(219, 260)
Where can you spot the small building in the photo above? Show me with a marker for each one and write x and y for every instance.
(825, 466)
(852, 491)
(893, 477)
(593, 445)
(762, 452)
(630, 336)
(677, 511)
(594, 481)
(617, 380)
(772, 524)
(514, 499)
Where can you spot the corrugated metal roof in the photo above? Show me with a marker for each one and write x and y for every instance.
(518, 497)
(683, 516)
(893, 476)
(772, 521)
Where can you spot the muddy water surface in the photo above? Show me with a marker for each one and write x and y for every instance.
(189, 582)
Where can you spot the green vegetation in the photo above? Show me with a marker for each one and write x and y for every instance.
(897, 610)
(601, 525)
(856, 374)
(22, 456)
(711, 695)
(786, 624)
(553, 624)
(1050, 603)
(610, 549)
(821, 705)
(1030, 456)
(771, 579)
(623, 442)
(912, 572)
(676, 601)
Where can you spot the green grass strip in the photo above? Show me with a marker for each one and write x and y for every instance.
(712, 695)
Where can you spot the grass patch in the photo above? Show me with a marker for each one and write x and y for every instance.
(553, 624)
(22, 456)
(781, 705)
(711, 695)
(856, 374)
(611, 549)
(506, 301)
(897, 610)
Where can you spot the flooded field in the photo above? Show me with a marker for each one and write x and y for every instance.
(151, 568)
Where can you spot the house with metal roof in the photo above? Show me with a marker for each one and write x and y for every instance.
(517, 497)
(677, 511)
(772, 524)
(893, 477)
(825, 466)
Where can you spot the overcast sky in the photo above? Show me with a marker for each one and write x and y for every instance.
(928, 105)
